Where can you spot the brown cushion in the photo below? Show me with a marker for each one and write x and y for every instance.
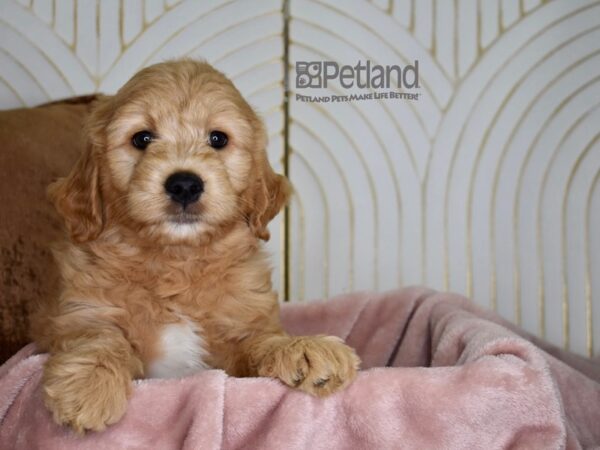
(37, 145)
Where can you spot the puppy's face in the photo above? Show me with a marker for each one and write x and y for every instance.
(175, 155)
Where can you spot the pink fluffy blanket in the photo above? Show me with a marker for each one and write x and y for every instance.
(438, 372)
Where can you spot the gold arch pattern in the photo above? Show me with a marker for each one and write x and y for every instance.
(487, 185)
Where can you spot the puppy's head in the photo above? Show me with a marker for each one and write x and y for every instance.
(175, 156)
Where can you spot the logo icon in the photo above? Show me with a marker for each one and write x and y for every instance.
(308, 74)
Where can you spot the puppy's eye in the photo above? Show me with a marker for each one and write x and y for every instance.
(142, 139)
(217, 139)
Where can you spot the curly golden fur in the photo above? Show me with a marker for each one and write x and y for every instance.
(137, 261)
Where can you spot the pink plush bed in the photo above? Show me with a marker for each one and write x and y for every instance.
(438, 373)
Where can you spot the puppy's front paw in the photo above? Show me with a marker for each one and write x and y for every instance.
(84, 395)
(319, 365)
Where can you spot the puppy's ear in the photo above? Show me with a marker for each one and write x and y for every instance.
(268, 192)
(77, 197)
(272, 192)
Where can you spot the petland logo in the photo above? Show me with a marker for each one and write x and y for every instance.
(363, 75)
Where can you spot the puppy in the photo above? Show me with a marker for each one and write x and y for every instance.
(164, 273)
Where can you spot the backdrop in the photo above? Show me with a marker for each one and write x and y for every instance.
(485, 184)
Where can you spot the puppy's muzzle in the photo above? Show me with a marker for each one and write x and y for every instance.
(184, 187)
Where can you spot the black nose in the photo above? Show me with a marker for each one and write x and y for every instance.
(184, 187)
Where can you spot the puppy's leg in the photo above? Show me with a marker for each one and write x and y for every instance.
(319, 365)
(87, 379)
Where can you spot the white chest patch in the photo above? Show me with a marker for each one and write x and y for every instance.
(182, 351)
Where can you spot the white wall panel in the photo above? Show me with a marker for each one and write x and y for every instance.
(51, 49)
(485, 184)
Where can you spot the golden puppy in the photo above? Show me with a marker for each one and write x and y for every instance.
(164, 273)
